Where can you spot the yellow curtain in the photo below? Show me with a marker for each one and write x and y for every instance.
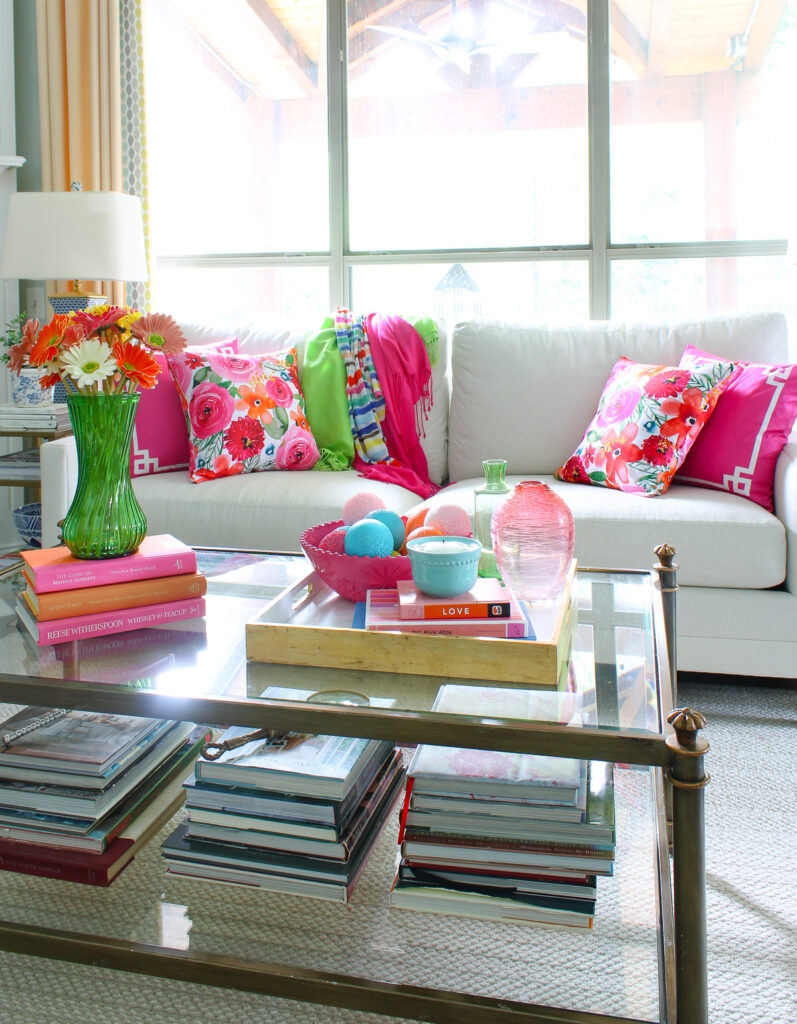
(80, 102)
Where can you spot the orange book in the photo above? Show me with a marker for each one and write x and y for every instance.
(113, 596)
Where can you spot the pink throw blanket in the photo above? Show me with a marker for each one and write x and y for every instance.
(405, 376)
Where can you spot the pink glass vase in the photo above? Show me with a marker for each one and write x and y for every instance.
(533, 537)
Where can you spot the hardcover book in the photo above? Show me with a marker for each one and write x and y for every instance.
(56, 569)
(322, 766)
(382, 613)
(487, 599)
(58, 631)
(114, 596)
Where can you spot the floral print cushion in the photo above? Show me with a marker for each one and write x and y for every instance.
(647, 420)
(244, 413)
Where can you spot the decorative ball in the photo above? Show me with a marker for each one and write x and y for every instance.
(415, 519)
(368, 538)
(452, 520)
(393, 522)
(334, 541)
(359, 505)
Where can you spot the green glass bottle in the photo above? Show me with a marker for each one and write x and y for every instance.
(485, 501)
(105, 519)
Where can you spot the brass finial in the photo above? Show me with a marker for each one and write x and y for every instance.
(686, 723)
(666, 553)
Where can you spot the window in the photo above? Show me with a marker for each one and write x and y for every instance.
(470, 156)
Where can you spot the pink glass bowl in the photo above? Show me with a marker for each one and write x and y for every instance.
(349, 575)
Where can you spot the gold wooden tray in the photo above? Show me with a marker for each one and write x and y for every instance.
(309, 624)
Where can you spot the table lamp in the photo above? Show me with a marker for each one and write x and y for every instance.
(75, 235)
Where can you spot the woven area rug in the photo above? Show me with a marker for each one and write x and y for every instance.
(752, 935)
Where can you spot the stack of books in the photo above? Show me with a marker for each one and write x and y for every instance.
(81, 792)
(500, 836)
(294, 814)
(33, 418)
(70, 598)
(24, 465)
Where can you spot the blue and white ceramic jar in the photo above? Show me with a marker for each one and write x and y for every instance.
(25, 390)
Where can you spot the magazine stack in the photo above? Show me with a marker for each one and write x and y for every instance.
(505, 837)
(82, 792)
(293, 813)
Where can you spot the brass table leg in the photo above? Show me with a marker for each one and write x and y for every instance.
(689, 779)
(667, 569)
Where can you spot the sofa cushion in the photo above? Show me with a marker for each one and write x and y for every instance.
(738, 449)
(245, 413)
(160, 436)
(648, 418)
(524, 392)
(721, 540)
(254, 510)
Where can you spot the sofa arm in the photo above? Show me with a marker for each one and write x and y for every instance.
(59, 481)
(785, 496)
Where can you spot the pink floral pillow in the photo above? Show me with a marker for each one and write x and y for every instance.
(244, 413)
(647, 420)
(160, 440)
(738, 450)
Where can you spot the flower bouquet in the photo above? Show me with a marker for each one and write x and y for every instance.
(103, 356)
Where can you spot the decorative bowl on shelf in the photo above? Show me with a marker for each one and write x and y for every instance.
(444, 566)
(28, 521)
(352, 576)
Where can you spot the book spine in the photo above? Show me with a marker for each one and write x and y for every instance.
(116, 596)
(59, 630)
(365, 817)
(54, 869)
(455, 627)
(509, 845)
(446, 610)
(102, 571)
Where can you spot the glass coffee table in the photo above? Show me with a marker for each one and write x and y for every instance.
(643, 960)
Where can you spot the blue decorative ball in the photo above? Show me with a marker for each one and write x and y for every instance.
(393, 522)
(368, 538)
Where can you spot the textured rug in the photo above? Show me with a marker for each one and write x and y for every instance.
(752, 936)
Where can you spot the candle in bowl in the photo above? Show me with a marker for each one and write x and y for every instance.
(444, 566)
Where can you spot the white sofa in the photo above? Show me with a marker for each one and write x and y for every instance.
(525, 392)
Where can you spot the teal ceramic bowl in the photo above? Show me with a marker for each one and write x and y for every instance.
(444, 566)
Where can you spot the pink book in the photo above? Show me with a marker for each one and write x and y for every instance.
(487, 599)
(51, 569)
(56, 631)
(382, 613)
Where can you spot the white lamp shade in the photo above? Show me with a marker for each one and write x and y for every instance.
(95, 236)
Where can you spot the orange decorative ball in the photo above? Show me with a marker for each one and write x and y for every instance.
(416, 519)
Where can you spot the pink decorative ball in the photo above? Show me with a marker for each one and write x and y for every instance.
(334, 541)
(359, 505)
(451, 519)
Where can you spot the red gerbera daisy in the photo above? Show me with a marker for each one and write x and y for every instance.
(244, 438)
(97, 321)
(137, 364)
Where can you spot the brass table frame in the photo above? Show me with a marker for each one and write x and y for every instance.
(677, 753)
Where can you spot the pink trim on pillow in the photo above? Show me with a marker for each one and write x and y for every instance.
(738, 449)
(160, 436)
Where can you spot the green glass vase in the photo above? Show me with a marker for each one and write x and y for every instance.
(486, 500)
(104, 520)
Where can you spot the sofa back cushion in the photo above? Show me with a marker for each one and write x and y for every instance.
(523, 392)
(269, 335)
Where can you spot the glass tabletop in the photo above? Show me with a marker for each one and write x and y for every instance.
(613, 680)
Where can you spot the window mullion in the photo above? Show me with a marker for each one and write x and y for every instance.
(598, 116)
(338, 152)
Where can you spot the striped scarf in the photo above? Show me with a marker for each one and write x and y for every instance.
(363, 393)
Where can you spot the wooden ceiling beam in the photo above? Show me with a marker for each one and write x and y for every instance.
(305, 65)
(762, 31)
(659, 34)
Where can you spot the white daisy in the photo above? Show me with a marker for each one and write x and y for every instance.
(89, 362)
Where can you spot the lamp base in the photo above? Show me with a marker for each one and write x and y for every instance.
(69, 302)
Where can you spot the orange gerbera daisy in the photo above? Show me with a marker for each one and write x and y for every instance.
(136, 364)
(49, 380)
(161, 332)
(49, 341)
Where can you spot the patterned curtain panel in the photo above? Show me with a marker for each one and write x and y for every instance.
(134, 130)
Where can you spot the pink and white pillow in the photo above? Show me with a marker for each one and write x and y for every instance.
(647, 420)
(738, 449)
(160, 437)
(244, 413)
